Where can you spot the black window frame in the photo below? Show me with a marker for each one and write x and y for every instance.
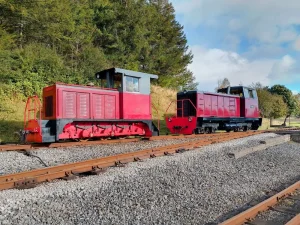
(49, 106)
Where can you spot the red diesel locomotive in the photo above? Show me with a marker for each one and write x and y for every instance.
(120, 107)
(232, 108)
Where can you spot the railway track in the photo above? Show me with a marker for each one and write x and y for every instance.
(17, 147)
(286, 203)
(95, 166)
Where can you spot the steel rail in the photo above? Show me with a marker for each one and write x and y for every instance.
(17, 147)
(294, 221)
(101, 142)
(33, 177)
(251, 213)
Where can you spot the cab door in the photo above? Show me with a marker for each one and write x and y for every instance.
(251, 103)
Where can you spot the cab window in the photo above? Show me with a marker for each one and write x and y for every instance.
(237, 91)
(117, 80)
(132, 84)
(251, 95)
(48, 106)
(109, 80)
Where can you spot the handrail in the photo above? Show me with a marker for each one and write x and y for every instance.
(36, 108)
(181, 100)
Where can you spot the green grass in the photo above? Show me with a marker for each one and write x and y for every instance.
(293, 121)
(11, 118)
(162, 126)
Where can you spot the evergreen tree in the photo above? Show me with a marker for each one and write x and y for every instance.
(60, 40)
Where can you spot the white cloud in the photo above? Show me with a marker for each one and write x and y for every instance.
(297, 44)
(281, 69)
(268, 21)
(210, 65)
(268, 27)
(232, 41)
(264, 51)
(235, 24)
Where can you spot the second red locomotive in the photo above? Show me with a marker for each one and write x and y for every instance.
(232, 108)
(120, 107)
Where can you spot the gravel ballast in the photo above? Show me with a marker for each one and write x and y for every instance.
(197, 187)
(15, 162)
(76, 154)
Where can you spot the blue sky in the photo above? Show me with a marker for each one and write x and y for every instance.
(245, 41)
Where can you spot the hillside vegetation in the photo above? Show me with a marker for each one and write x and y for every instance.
(11, 118)
(43, 42)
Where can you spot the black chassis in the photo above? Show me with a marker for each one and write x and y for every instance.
(228, 124)
(52, 128)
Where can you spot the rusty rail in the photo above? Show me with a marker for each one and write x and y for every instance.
(64, 144)
(251, 213)
(33, 177)
(104, 142)
(101, 142)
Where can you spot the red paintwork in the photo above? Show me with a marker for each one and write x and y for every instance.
(78, 130)
(34, 129)
(82, 102)
(86, 102)
(213, 105)
(135, 106)
(94, 103)
(32, 119)
(181, 125)
(217, 105)
(250, 108)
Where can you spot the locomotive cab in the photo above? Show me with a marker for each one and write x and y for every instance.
(110, 80)
(249, 100)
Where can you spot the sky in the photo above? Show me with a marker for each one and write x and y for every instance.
(245, 41)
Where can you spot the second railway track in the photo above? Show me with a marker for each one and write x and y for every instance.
(286, 203)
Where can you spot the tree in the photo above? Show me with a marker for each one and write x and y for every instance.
(258, 86)
(279, 108)
(144, 35)
(288, 98)
(270, 105)
(68, 41)
(223, 83)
